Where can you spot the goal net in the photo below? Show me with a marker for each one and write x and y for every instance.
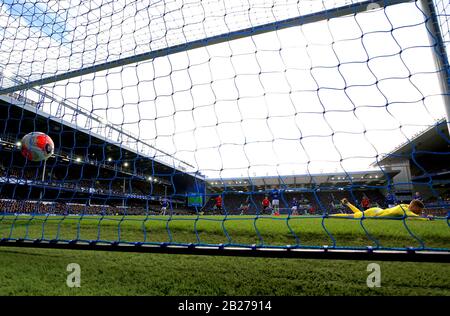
(165, 114)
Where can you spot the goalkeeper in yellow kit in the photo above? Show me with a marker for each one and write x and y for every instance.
(410, 211)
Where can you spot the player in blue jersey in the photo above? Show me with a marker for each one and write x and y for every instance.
(275, 202)
(164, 204)
(418, 196)
(294, 207)
(391, 200)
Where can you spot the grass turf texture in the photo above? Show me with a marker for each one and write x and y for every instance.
(43, 271)
(245, 230)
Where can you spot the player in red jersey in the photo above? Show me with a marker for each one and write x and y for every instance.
(266, 204)
(218, 205)
(365, 202)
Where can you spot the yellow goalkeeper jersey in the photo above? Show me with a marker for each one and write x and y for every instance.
(396, 211)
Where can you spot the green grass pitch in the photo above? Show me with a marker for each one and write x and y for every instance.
(43, 271)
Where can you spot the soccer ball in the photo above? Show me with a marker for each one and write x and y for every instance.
(37, 146)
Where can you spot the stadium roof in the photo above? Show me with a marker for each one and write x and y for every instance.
(434, 139)
(31, 117)
(47, 104)
(359, 178)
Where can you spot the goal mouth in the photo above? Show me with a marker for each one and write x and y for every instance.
(189, 125)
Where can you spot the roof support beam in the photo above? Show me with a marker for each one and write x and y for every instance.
(251, 31)
(440, 54)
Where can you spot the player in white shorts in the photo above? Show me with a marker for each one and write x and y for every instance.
(275, 202)
(294, 207)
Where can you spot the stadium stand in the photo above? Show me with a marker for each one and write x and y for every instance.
(82, 173)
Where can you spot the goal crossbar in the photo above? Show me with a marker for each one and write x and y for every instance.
(345, 10)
